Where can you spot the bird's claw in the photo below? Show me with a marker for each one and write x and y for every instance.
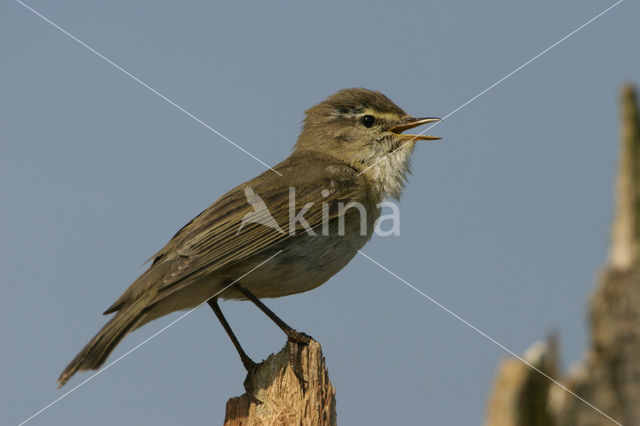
(295, 342)
(298, 337)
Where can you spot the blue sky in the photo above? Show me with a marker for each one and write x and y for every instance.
(505, 221)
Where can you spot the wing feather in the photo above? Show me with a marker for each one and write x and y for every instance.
(211, 240)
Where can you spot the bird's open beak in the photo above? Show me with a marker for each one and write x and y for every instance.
(412, 122)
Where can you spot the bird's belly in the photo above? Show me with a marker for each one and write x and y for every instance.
(304, 263)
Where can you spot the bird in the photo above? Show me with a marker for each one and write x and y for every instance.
(286, 231)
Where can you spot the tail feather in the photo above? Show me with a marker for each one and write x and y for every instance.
(94, 354)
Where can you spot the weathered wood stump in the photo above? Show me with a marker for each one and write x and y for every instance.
(283, 398)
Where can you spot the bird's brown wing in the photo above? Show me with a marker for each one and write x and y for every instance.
(215, 239)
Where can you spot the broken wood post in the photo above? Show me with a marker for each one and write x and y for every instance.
(283, 398)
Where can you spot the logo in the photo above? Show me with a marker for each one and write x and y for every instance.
(262, 216)
(260, 213)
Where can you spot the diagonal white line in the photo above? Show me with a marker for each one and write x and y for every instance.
(266, 165)
(491, 339)
(136, 347)
(151, 89)
(499, 81)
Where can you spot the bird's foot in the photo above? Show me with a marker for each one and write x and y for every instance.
(298, 336)
(296, 341)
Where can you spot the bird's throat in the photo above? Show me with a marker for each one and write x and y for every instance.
(389, 172)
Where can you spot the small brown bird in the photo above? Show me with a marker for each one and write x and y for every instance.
(279, 233)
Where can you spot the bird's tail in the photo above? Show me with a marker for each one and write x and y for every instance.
(93, 355)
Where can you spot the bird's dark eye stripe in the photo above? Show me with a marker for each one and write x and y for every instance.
(367, 120)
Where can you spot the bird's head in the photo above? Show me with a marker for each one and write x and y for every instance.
(365, 129)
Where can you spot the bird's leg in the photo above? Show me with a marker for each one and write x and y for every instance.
(294, 337)
(248, 363)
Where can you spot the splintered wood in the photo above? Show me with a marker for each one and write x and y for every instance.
(284, 399)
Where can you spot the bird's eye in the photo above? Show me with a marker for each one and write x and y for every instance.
(368, 120)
